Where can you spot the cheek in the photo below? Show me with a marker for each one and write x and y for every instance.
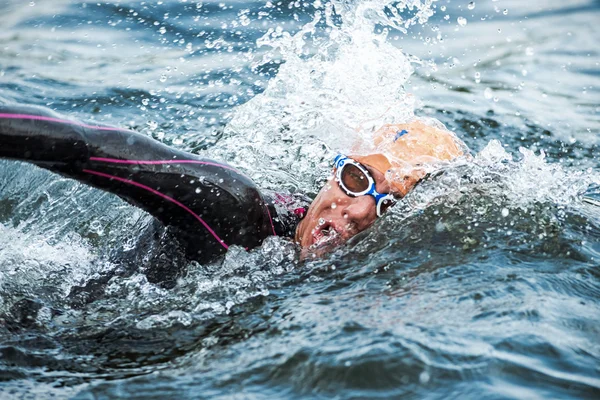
(329, 202)
(330, 193)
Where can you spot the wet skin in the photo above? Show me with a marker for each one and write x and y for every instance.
(333, 209)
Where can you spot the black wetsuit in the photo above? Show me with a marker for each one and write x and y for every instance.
(210, 205)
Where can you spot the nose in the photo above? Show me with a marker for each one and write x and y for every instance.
(361, 211)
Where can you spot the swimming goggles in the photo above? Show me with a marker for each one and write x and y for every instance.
(355, 180)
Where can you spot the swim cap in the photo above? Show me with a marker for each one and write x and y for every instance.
(405, 153)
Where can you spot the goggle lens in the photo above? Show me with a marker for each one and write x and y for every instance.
(354, 179)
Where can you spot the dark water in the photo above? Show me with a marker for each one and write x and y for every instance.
(485, 283)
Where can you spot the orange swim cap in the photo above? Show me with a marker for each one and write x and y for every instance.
(405, 153)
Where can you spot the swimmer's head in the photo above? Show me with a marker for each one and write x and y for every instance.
(399, 157)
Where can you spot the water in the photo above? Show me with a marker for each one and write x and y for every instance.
(483, 283)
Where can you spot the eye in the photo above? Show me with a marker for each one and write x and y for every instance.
(354, 179)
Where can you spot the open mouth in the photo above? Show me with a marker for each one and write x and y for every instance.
(325, 234)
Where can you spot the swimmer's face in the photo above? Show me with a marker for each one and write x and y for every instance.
(334, 217)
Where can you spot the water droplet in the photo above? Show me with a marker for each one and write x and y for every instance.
(443, 8)
(471, 5)
(462, 21)
(32, 3)
(333, 206)
(198, 190)
(145, 102)
(424, 377)
(505, 12)
(244, 20)
(163, 78)
(505, 212)
(162, 30)
(488, 93)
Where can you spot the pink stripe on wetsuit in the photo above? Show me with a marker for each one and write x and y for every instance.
(156, 192)
(161, 162)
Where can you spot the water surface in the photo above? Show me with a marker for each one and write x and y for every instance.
(483, 283)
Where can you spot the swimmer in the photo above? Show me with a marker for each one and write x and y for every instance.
(211, 205)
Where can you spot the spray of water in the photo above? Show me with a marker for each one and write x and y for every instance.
(339, 80)
(506, 184)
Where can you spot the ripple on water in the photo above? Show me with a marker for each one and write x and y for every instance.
(482, 283)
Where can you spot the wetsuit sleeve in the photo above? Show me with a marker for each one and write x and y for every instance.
(210, 204)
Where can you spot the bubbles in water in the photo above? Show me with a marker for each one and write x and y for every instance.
(462, 21)
(471, 5)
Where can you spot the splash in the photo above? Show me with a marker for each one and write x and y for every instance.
(339, 80)
(33, 268)
(503, 180)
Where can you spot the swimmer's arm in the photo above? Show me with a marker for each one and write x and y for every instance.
(47, 139)
(208, 201)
